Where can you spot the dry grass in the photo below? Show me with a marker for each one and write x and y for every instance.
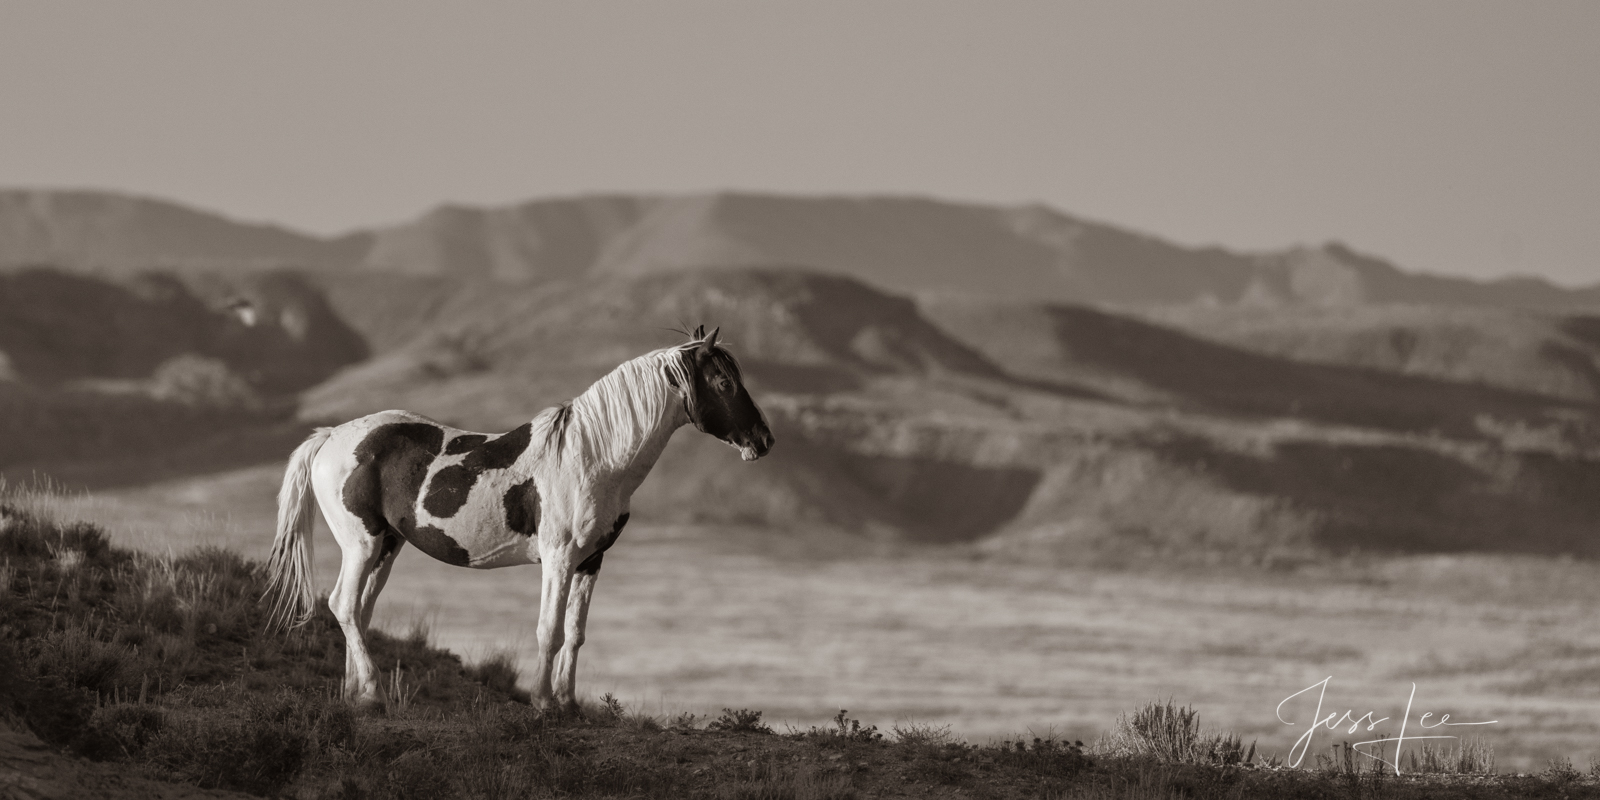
(1471, 756)
(498, 670)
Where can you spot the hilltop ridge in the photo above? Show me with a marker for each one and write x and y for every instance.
(904, 244)
(122, 234)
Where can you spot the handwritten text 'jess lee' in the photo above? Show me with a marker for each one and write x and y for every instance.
(1335, 721)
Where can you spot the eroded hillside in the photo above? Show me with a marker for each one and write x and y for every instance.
(1051, 427)
(121, 380)
(1545, 352)
(1034, 427)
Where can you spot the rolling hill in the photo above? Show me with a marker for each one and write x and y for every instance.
(1037, 428)
(1061, 429)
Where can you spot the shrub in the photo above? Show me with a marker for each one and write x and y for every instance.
(121, 729)
(919, 734)
(847, 730)
(75, 657)
(1560, 771)
(1046, 757)
(1172, 735)
(53, 709)
(742, 721)
(258, 749)
(26, 536)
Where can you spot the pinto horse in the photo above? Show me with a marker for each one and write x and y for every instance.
(554, 492)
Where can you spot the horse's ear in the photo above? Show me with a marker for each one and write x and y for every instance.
(710, 341)
(699, 333)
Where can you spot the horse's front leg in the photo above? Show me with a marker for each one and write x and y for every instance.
(555, 585)
(564, 682)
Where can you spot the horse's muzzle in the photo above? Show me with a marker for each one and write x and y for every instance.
(756, 444)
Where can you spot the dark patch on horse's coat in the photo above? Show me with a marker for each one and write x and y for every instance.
(391, 543)
(462, 444)
(591, 565)
(448, 490)
(391, 464)
(522, 508)
(435, 543)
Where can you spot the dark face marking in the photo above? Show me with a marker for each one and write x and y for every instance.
(462, 444)
(591, 565)
(522, 508)
(723, 408)
(391, 464)
(448, 491)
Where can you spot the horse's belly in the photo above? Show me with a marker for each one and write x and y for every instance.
(510, 553)
(482, 544)
(496, 547)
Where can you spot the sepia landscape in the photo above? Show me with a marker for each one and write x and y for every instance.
(1128, 401)
(1033, 472)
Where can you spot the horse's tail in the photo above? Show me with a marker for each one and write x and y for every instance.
(289, 567)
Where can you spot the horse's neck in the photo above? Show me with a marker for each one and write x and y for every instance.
(633, 472)
(624, 424)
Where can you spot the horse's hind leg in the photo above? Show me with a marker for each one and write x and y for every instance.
(388, 551)
(360, 557)
(355, 570)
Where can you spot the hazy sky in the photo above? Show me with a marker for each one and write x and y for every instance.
(1453, 137)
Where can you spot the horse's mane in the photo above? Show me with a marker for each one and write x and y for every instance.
(612, 417)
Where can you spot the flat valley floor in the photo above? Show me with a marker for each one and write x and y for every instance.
(799, 626)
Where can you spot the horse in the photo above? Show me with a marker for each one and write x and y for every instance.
(554, 491)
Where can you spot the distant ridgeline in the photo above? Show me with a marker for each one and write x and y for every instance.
(898, 243)
(930, 370)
